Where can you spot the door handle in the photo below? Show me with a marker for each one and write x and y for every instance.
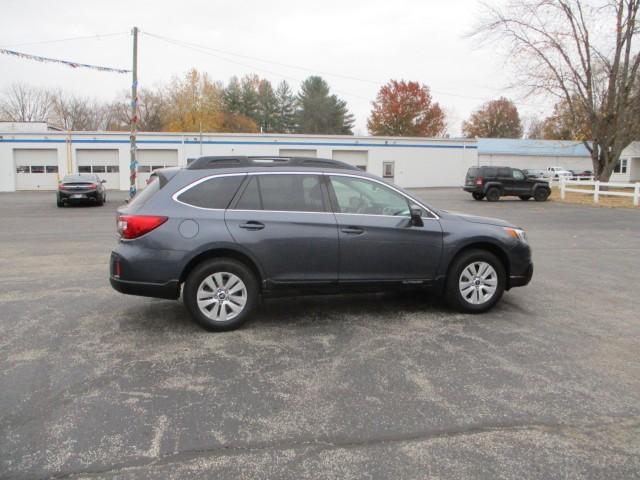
(252, 225)
(352, 230)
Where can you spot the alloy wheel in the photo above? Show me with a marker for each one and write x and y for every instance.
(221, 296)
(478, 283)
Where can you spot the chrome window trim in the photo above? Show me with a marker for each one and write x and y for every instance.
(385, 184)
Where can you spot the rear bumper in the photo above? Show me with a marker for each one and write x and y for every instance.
(472, 189)
(136, 274)
(92, 195)
(521, 280)
(169, 290)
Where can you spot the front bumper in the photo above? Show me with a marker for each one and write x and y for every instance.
(521, 280)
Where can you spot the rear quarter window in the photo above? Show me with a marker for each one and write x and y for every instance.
(145, 194)
(215, 193)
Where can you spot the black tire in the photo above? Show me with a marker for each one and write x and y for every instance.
(477, 196)
(493, 194)
(462, 261)
(541, 194)
(208, 268)
(60, 203)
(525, 197)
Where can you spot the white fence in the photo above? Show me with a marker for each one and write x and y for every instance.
(565, 186)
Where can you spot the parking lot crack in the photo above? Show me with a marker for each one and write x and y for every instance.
(319, 444)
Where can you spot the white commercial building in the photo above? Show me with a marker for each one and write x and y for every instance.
(36, 160)
(33, 159)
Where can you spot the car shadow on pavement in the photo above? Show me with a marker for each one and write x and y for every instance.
(160, 315)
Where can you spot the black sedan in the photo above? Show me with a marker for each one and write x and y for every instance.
(81, 187)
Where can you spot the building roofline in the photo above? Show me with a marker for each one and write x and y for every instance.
(367, 138)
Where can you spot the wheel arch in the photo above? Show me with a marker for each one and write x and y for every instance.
(497, 185)
(497, 250)
(222, 252)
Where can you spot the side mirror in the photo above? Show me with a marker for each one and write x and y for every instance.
(103, 181)
(416, 216)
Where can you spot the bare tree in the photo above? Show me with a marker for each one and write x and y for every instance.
(582, 52)
(24, 103)
(77, 113)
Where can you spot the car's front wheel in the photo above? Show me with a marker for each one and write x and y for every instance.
(221, 294)
(477, 196)
(476, 281)
(541, 194)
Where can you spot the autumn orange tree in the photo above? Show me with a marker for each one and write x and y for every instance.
(194, 103)
(495, 119)
(406, 109)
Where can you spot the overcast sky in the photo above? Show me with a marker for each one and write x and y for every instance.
(372, 41)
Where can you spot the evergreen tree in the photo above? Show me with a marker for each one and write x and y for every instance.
(267, 107)
(319, 112)
(232, 96)
(249, 97)
(286, 106)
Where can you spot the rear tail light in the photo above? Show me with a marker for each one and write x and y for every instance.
(134, 226)
(479, 180)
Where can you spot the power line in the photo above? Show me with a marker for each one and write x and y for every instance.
(297, 67)
(204, 51)
(98, 36)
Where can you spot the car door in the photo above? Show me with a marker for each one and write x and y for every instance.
(520, 183)
(285, 222)
(377, 239)
(505, 178)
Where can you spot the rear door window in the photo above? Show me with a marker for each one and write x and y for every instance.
(215, 193)
(283, 192)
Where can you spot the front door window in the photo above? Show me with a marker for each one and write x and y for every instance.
(359, 196)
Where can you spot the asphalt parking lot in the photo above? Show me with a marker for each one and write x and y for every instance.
(547, 385)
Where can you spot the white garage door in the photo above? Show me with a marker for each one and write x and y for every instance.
(150, 160)
(357, 158)
(104, 163)
(298, 152)
(36, 169)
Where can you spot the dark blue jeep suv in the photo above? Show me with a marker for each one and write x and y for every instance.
(225, 231)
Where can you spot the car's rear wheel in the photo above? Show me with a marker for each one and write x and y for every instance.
(493, 194)
(60, 203)
(525, 197)
(541, 194)
(221, 294)
(475, 282)
(477, 196)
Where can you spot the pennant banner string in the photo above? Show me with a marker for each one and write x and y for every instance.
(63, 62)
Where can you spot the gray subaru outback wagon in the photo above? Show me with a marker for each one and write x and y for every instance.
(225, 231)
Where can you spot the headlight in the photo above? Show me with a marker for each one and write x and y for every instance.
(517, 233)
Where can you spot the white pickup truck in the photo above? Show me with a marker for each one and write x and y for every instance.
(557, 172)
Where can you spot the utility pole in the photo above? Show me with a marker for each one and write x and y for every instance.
(134, 114)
